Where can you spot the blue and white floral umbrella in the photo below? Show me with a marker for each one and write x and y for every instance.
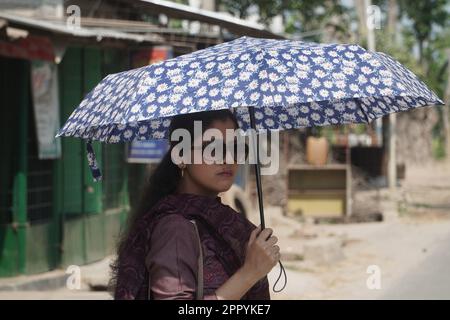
(269, 84)
(287, 84)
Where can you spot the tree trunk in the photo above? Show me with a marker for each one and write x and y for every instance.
(445, 112)
(415, 135)
(362, 19)
(392, 20)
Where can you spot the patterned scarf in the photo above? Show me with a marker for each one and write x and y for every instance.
(230, 229)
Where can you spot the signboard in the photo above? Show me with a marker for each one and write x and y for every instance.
(146, 56)
(148, 151)
(44, 83)
(30, 48)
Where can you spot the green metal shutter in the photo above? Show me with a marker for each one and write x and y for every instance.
(70, 168)
(8, 140)
(114, 167)
(9, 123)
(92, 75)
(113, 164)
(70, 76)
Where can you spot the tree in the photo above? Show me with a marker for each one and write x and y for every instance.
(237, 8)
(317, 18)
(299, 16)
(423, 29)
(424, 15)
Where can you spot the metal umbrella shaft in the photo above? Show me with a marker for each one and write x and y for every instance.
(257, 166)
(260, 195)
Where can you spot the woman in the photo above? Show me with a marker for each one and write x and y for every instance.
(158, 255)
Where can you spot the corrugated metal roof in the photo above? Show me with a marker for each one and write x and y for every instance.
(182, 11)
(97, 33)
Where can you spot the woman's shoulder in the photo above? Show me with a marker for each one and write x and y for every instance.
(173, 238)
(174, 225)
(173, 219)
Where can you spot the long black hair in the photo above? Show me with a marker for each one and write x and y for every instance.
(164, 179)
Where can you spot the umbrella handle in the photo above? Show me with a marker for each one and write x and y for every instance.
(255, 146)
(92, 162)
(282, 272)
(257, 167)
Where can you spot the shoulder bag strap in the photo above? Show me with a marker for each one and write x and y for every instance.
(200, 265)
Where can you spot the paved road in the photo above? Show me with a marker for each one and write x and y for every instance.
(61, 294)
(430, 279)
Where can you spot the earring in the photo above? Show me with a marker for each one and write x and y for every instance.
(182, 170)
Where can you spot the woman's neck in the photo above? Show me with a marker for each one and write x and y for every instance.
(186, 187)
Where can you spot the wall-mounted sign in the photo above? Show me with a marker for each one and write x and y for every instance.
(44, 82)
(148, 151)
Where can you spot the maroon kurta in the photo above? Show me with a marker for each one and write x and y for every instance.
(163, 250)
(172, 262)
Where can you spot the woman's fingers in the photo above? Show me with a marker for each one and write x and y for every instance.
(275, 253)
(277, 257)
(266, 241)
(275, 249)
(254, 234)
(271, 241)
(265, 234)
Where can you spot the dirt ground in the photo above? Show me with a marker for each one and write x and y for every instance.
(415, 229)
(409, 249)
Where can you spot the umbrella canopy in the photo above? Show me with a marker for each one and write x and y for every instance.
(291, 84)
(269, 84)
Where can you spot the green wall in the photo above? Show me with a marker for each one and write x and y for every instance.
(85, 218)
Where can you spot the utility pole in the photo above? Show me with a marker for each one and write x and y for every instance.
(371, 17)
(392, 118)
(390, 148)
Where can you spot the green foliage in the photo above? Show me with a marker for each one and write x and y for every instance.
(438, 147)
(424, 14)
(424, 27)
(300, 16)
(237, 8)
(400, 51)
(314, 15)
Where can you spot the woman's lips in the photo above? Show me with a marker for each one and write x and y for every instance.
(226, 174)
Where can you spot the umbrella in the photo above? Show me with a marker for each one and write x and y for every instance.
(269, 84)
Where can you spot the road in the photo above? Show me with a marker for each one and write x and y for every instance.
(430, 279)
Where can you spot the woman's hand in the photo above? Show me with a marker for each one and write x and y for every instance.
(262, 253)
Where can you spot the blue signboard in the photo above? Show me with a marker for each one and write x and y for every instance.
(147, 151)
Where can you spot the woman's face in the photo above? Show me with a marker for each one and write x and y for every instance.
(210, 179)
